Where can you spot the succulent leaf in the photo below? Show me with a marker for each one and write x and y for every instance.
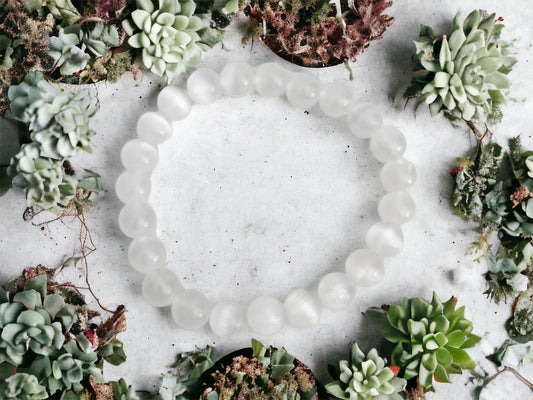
(22, 386)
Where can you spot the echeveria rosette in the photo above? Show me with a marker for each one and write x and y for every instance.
(365, 378)
(430, 339)
(463, 74)
(171, 37)
(21, 386)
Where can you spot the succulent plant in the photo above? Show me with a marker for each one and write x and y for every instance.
(63, 10)
(464, 73)
(429, 339)
(45, 184)
(101, 38)
(365, 377)
(66, 50)
(122, 391)
(21, 386)
(6, 51)
(170, 36)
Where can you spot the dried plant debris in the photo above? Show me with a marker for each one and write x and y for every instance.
(319, 33)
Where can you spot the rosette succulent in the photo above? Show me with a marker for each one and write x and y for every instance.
(464, 73)
(365, 378)
(170, 36)
(429, 339)
(22, 386)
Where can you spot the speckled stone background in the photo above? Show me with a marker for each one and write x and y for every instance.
(255, 197)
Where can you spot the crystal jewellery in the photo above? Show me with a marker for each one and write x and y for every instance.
(301, 308)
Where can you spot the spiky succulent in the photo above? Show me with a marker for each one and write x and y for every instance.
(365, 377)
(171, 38)
(429, 339)
(22, 386)
(464, 73)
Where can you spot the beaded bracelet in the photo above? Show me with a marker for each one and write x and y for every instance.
(267, 315)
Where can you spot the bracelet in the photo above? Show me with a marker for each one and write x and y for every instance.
(301, 308)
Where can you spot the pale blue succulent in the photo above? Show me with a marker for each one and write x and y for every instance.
(21, 386)
(67, 52)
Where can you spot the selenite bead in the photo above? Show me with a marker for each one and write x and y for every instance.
(265, 315)
(335, 291)
(303, 89)
(147, 254)
(337, 99)
(365, 267)
(173, 103)
(237, 79)
(160, 288)
(139, 156)
(385, 239)
(137, 219)
(397, 207)
(203, 86)
(364, 120)
(190, 309)
(270, 79)
(388, 144)
(132, 187)
(226, 318)
(397, 176)
(302, 309)
(153, 128)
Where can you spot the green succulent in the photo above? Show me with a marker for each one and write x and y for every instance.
(429, 339)
(44, 181)
(463, 74)
(365, 378)
(101, 38)
(21, 386)
(33, 321)
(63, 10)
(170, 36)
(123, 391)
(6, 51)
(67, 52)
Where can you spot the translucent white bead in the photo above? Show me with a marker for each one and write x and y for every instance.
(139, 157)
(302, 309)
(303, 89)
(365, 267)
(270, 79)
(265, 315)
(153, 128)
(398, 176)
(133, 187)
(385, 239)
(388, 144)
(137, 219)
(397, 207)
(173, 103)
(237, 79)
(335, 291)
(159, 289)
(226, 318)
(147, 254)
(364, 120)
(203, 86)
(337, 99)
(190, 309)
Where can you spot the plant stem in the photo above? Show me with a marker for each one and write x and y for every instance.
(477, 133)
(521, 378)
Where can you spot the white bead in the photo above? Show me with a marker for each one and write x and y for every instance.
(153, 128)
(364, 120)
(203, 86)
(137, 219)
(303, 89)
(159, 289)
(173, 103)
(237, 79)
(385, 239)
(388, 144)
(397, 176)
(335, 291)
(147, 254)
(139, 157)
(337, 99)
(265, 315)
(302, 309)
(397, 207)
(226, 318)
(365, 267)
(133, 187)
(190, 309)
(270, 80)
